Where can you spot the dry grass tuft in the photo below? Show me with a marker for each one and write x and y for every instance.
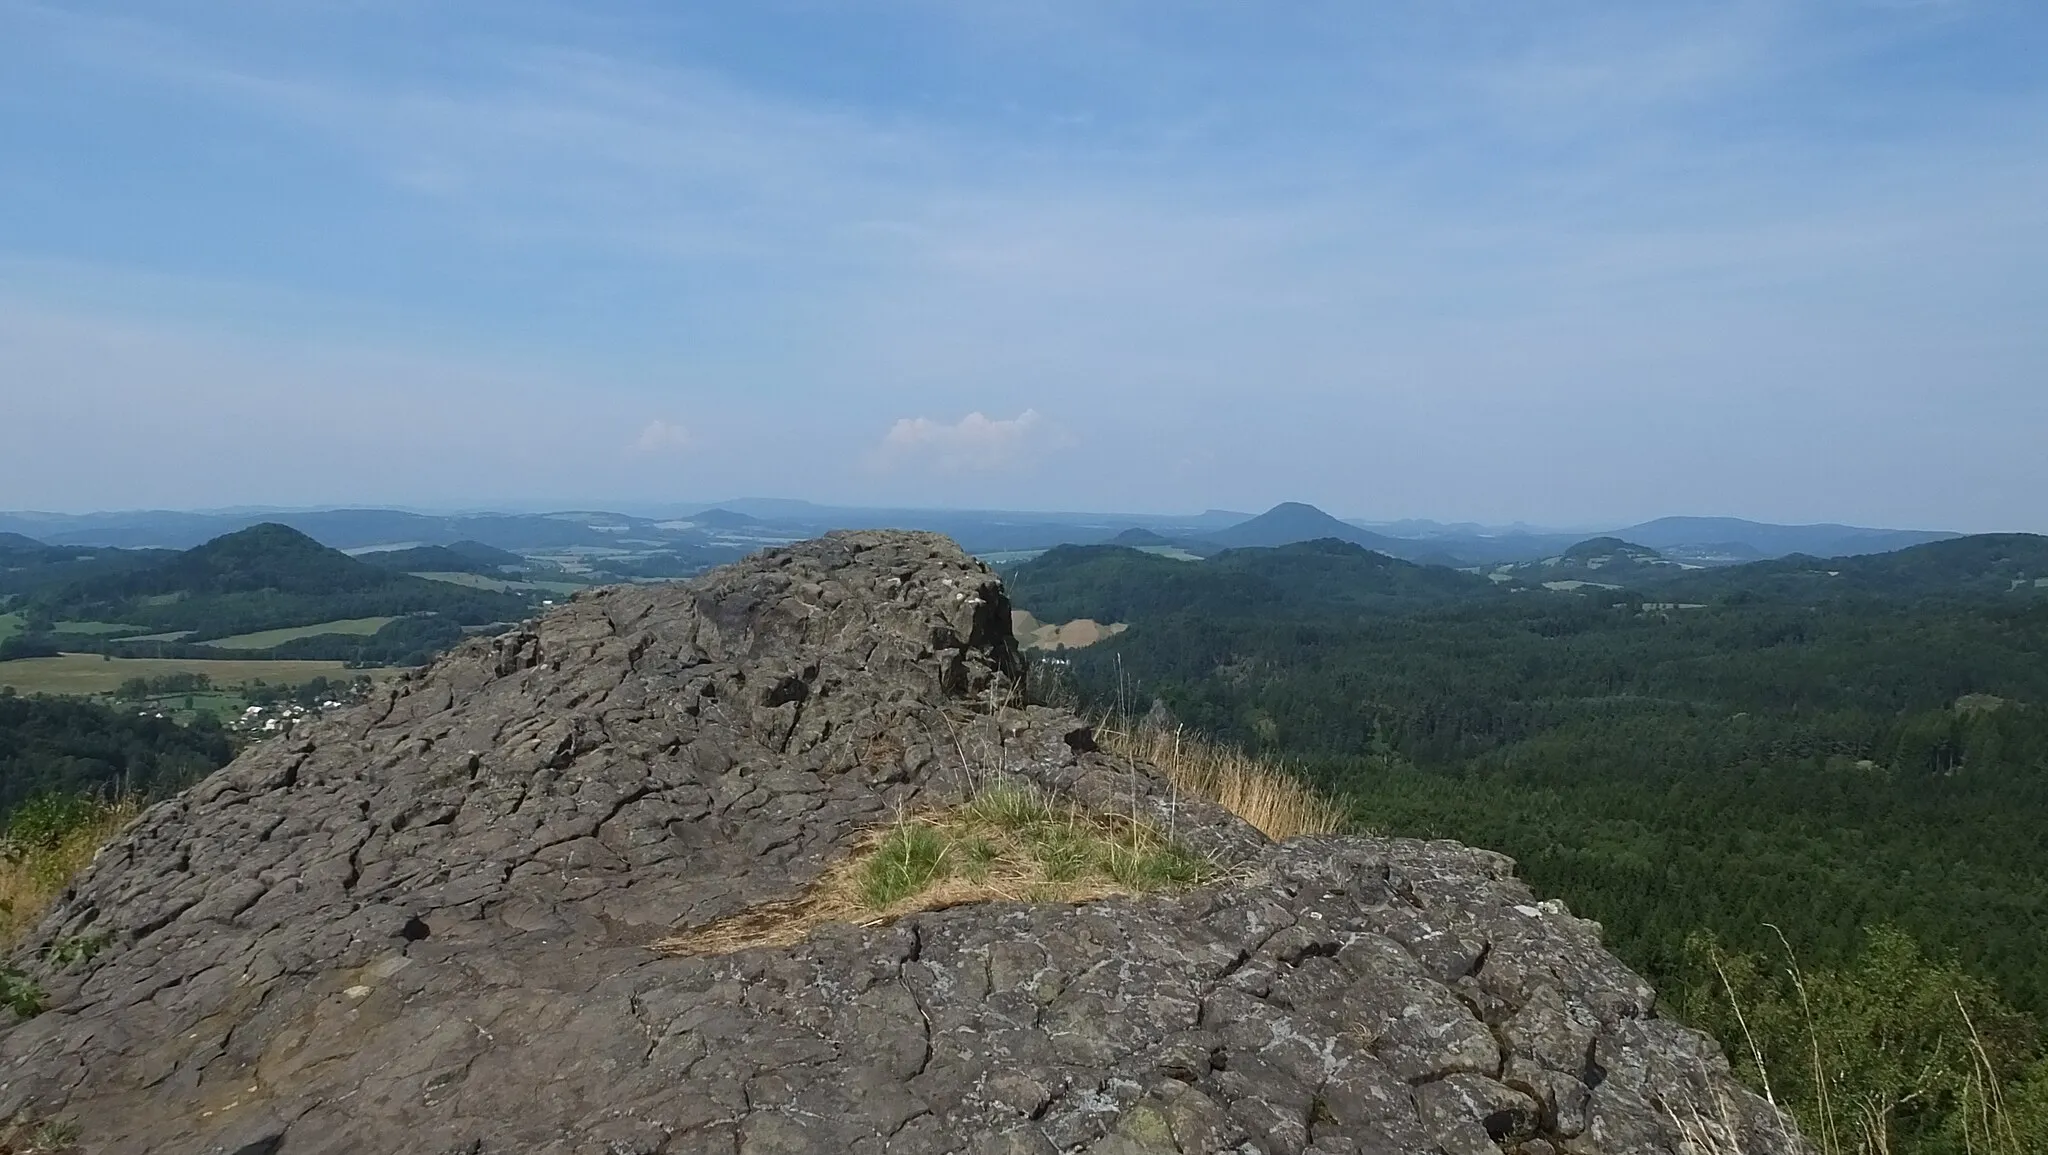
(1278, 804)
(37, 864)
(1007, 844)
(23, 1133)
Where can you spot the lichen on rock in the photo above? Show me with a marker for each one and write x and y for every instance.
(428, 924)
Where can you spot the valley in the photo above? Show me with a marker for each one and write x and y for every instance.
(1724, 749)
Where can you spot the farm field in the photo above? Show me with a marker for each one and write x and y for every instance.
(10, 625)
(477, 581)
(264, 639)
(95, 674)
(96, 628)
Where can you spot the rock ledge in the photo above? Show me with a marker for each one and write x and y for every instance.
(425, 925)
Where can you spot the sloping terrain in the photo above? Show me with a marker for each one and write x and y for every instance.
(1734, 539)
(1112, 583)
(1981, 564)
(267, 577)
(428, 924)
(462, 557)
(32, 569)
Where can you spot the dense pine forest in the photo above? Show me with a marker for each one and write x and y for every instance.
(61, 748)
(1729, 757)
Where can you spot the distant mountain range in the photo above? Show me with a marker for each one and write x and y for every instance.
(1986, 563)
(1721, 540)
(730, 528)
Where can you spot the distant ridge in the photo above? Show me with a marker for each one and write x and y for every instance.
(724, 519)
(1767, 541)
(1712, 541)
(461, 557)
(1293, 521)
(15, 542)
(1982, 564)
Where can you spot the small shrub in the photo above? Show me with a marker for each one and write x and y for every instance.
(78, 948)
(47, 843)
(46, 819)
(20, 993)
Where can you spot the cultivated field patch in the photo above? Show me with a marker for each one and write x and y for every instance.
(264, 639)
(97, 628)
(477, 581)
(97, 674)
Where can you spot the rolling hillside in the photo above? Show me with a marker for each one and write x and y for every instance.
(1981, 564)
(1736, 539)
(265, 578)
(1116, 584)
(461, 557)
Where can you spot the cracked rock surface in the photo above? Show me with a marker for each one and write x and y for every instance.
(423, 925)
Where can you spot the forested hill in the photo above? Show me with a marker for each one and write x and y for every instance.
(267, 557)
(1112, 583)
(1665, 764)
(462, 557)
(32, 568)
(267, 577)
(1982, 564)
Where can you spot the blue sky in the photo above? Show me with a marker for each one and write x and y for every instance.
(1571, 263)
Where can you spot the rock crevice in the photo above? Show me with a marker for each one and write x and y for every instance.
(425, 925)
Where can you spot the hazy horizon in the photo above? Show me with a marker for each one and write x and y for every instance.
(1563, 264)
(645, 509)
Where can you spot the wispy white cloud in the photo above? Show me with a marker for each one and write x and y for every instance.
(975, 443)
(661, 437)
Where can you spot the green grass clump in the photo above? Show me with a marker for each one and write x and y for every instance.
(1011, 841)
(1007, 843)
(909, 860)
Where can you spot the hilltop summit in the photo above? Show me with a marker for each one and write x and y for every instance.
(1609, 550)
(431, 924)
(1293, 521)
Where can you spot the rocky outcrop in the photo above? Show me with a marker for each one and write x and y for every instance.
(425, 925)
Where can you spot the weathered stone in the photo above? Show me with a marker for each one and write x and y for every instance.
(424, 924)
